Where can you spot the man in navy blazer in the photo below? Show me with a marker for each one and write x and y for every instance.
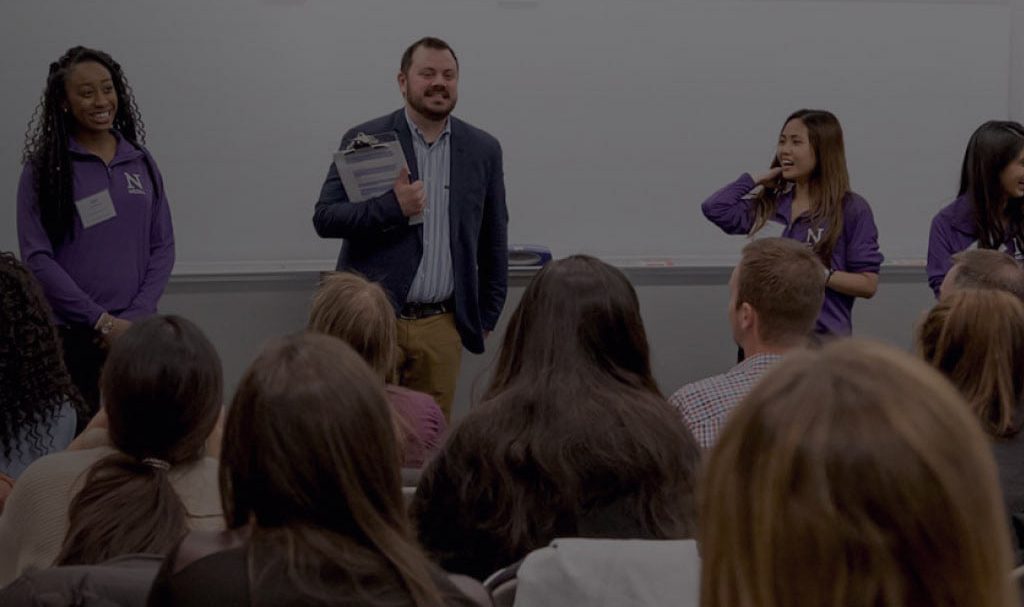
(447, 276)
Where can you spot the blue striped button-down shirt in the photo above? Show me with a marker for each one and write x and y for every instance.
(435, 279)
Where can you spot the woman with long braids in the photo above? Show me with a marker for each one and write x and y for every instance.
(93, 221)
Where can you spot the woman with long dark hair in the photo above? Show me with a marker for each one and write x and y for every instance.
(573, 438)
(37, 399)
(988, 207)
(140, 494)
(807, 190)
(93, 221)
(312, 494)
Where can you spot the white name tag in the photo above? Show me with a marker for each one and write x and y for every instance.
(772, 229)
(96, 209)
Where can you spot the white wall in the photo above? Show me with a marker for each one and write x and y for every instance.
(617, 116)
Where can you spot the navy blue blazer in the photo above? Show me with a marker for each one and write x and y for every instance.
(380, 244)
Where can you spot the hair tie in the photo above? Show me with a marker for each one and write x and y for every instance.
(156, 463)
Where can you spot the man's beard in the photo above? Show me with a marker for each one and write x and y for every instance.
(419, 104)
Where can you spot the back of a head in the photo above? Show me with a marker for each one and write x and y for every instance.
(310, 458)
(545, 464)
(987, 269)
(33, 380)
(308, 440)
(358, 312)
(853, 476)
(161, 388)
(784, 282)
(578, 323)
(976, 338)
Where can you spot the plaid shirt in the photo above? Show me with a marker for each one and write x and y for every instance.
(706, 404)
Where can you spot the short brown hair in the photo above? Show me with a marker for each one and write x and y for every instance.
(358, 312)
(976, 338)
(428, 42)
(853, 476)
(988, 269)
(784, 282)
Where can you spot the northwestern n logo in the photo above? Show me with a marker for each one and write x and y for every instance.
(134, 183)
(814, 236)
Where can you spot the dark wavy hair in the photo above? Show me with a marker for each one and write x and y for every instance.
(162, 390)
(47, 138)
(34, 383)
(574, 438)
(991, 149)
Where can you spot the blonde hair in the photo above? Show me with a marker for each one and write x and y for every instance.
(853, 476)
(976, 338)
(358, 312)
(829, 182)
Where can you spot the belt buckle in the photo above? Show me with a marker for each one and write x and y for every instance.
(411, 311)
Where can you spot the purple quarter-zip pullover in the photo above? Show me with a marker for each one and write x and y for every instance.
(953, 230)
(855, 251)
(120, 265)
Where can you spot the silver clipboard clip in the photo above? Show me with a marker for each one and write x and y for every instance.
(362, 141)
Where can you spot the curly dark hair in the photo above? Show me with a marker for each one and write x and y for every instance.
(46, 140)
(34, 384)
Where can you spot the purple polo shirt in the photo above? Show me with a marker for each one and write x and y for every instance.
(855, 251)
(120, 265)
(953, 230)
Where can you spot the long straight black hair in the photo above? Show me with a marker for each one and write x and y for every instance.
(991, 149)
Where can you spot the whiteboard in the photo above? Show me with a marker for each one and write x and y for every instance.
(617, 117)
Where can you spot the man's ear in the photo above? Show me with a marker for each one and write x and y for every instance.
(402, 81)
(747, 317)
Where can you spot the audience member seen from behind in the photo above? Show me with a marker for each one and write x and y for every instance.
(984, 269)
(357, 311)
(775, 295)
(37, 398)
(161, 391)
(853, 476)
(975, 337)
(310, 480)
(573, 438)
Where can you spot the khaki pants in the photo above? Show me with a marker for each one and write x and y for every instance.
(430, 351)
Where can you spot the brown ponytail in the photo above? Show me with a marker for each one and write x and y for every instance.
(162, 392)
